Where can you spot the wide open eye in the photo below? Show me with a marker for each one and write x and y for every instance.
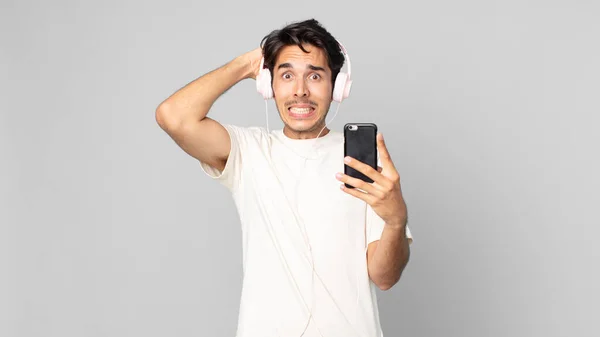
(315, 76)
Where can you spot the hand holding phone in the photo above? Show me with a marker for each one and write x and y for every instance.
(360, 142)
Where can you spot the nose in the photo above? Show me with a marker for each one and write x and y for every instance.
(301, 88)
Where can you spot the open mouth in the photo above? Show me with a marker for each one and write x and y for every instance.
(304, 112)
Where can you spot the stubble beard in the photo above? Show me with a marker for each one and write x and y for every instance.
(313, 129)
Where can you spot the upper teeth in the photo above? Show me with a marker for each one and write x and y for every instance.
(300, 110)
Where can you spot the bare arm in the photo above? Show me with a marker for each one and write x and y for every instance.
(183, 115)
(387, 257)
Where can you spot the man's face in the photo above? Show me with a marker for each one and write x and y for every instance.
(302, 90)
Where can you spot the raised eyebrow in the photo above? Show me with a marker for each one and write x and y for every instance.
(316, 68)
(310, 66)
(285, 65)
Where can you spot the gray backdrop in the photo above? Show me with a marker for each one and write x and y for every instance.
(490, 111)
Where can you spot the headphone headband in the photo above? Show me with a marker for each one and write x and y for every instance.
(346, 56)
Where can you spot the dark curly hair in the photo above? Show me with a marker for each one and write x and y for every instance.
(309, 32)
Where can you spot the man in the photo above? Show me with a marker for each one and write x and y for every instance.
(304, 236)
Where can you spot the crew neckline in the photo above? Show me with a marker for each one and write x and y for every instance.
(294, 139)
(307, 147)
(309, 141)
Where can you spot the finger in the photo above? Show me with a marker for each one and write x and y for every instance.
(379, 169)
(386, 160)
(359, 183)
(383, 151)
(366, 197)
(366, 170)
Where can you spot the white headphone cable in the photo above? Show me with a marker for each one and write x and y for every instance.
(267, 114)
(297, 216)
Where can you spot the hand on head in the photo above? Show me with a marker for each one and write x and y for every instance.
(253, 59)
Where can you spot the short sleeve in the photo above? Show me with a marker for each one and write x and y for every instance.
(231, 175)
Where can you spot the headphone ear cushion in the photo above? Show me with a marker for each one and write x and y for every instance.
(347, 88)
(263, 83)
(341, 88)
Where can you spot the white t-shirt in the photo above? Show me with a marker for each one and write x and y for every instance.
(292, 214)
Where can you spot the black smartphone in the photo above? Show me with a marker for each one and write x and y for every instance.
(360, 142)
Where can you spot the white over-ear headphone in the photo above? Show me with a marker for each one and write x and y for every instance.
(341, 88)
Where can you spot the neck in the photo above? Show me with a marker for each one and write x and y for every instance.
(309, 134)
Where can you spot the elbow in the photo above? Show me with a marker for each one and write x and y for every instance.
(385, 288)
(165, 118)
(385, 281)
(385, 285)
(160, 116)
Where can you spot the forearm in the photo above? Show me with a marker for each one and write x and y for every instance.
(193, 101)
(390, 256)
